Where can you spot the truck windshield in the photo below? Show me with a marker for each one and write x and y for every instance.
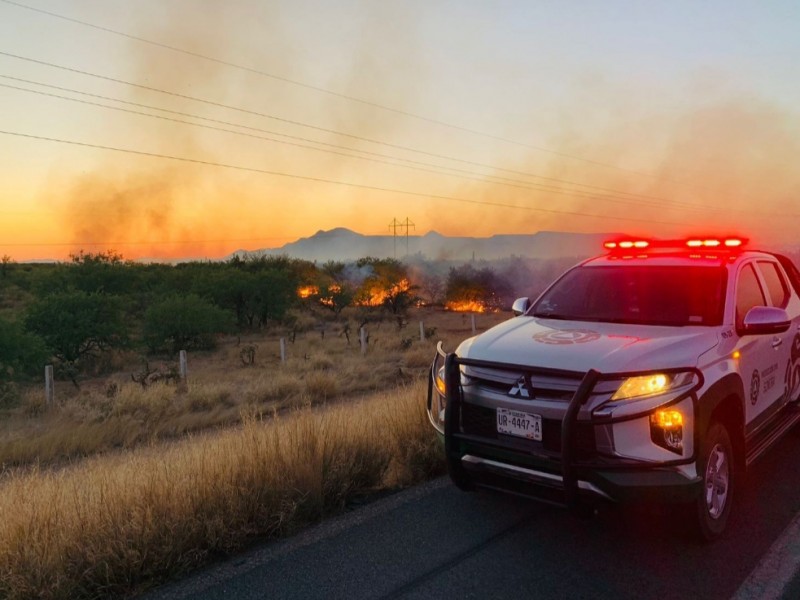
(650, 295)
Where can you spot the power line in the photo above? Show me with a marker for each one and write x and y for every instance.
(326, 91)
(400, 147)
(279, 119)
(405, 148)
(485, 178)
(335, 182)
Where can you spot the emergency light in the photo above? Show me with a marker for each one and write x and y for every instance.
(698, 242)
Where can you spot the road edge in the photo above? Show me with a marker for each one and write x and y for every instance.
(194, 583)
(776, 569)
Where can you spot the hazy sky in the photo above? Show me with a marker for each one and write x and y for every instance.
(466, 117)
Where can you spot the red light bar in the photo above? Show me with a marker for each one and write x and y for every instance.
(715, 243)
(625, 244)
(699, 242)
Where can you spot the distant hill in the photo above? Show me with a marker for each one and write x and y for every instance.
(344, 244)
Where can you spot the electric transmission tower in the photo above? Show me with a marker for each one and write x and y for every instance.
(408, 224)
(395, 225)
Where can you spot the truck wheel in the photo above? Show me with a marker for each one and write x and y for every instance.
(792, 381)
(716, 466)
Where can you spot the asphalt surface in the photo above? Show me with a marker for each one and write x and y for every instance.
(437, 542)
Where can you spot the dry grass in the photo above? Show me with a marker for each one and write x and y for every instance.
(114, 412)
(108, 523)
(114, 524)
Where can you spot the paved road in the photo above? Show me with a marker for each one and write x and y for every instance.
(436, 542)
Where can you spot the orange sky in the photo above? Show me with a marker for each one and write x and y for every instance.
(617, 133)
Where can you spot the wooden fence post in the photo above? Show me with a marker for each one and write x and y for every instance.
(363, 335)
(49, 392)
(421, 331)
(283, 350)
(184, 371)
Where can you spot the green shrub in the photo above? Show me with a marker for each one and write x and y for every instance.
(21, 353)
(77, 324)
(184, 323)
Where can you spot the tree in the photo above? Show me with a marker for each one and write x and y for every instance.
(336, 290)
(5, 265)
(478, 288)
(77, 324)
(271, 294)
(106, 272)
(254, 297)
(433, 286)
(184, 323)
(21, 352)
(387, 286)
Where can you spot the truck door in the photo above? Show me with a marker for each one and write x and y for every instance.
(781, 296)
(761, 360)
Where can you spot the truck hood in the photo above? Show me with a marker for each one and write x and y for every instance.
(580, 345)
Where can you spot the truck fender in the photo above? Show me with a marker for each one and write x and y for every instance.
(730, 385)
(727, 388)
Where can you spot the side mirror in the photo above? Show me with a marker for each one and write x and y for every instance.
(761, 320)
(520, 306)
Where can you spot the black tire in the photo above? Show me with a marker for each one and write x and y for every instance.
(717, 468)
(793, 382)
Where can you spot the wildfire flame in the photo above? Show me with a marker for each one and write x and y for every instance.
(465, 306)
(333, 288)
(376, 295)
(306, 291)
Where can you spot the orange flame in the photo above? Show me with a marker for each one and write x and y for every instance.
(465, 306)
(333, 288)
(307, 290)
(376, 295)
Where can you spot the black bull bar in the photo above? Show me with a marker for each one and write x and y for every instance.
(569, 463)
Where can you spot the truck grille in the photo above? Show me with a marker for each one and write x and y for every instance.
(542, 387)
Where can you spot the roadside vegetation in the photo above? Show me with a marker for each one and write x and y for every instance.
(112, 330)
(130, 407)
(134, 474)
(119, 523)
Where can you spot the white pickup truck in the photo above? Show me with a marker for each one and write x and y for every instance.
(660, 370)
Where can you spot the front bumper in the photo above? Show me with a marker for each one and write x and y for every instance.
(568, 476)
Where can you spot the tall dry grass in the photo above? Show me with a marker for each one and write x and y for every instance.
(114, 524)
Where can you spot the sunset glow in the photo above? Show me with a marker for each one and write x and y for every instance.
(468, 121)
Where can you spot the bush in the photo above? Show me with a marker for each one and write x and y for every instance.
(184, 323)
(77, 324)
(21, 353)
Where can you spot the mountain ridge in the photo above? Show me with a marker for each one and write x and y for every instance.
(345, 244)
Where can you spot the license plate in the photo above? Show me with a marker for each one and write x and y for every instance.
(520, 424)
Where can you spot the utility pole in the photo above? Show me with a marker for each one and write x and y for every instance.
(408, 224)
(393, 226)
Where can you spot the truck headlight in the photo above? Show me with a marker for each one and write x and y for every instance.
(438, 399)
(653, 384)
(439, 380)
